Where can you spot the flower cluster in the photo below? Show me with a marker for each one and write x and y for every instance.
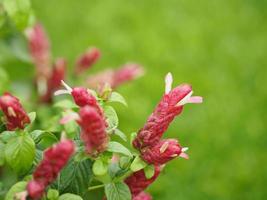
(55, 158)
(15, 115)
(153, 149)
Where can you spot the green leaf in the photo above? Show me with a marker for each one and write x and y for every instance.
(138, 164)
(52, 194)
(2, 153)
(133, 136)
(69, 196)
(100, 168)
(120, 134)
(117, 97)
(44, 139)
(75, 177)
(20, 152)
(149, 171)
(124, 162)
(7, 135)
(65, 104)
(116, 147)
(117, 191)
(112, 118)
(18, 187)
(32, 116)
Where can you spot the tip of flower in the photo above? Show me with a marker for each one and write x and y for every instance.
(184, 155)
(184, 149)
(168, 83)
(195, 99)
(68, 88)
(60, 92)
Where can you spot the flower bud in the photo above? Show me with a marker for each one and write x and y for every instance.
(138, 182)
(93, 130)
(143, 196)
(82, 97)
(158, 122)
(15, 115)
(39, 47)
(55, 158)
(162, 152)
(86, 60)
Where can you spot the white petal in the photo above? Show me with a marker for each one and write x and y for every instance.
(164, 147)
(185, 99)
(185, 149)
(60, 92)
(195, 99)
(66, 86)
(168, 83)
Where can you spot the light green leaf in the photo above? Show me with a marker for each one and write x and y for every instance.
(117, 97)
(120, 134)
(32, 116)
(18, 187)
(133, 136)
(52, 194)
(44, 139)
(149, 171)
(116, 147)
(69, 196)
(20, 152)
(112, 118)
(2, 153)
(117, 191)
(7, 135)
(138, 164)
(100, 168)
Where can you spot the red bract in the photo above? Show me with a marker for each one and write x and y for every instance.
(54, 82)
(87, 60)
(82, 97)
(15, 115)
(138, 182)
(55, 158)
(93, 130)
(115, 78)
(143, 196)
(39, 47)
(162, 152)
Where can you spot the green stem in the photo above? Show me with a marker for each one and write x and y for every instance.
(95, 187)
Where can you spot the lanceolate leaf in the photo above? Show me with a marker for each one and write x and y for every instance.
(112, 118)
(116, 147)
(117, 191)
(76, 177)
(20, 152)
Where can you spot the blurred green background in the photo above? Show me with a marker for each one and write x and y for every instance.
(217, 46)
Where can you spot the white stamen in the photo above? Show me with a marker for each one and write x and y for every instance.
(164, 147)
(184, 149)
(11, 112)
(195, 99)
(66, 86)
(185, 99)
(168, 83)
(174, 155)
(60, 92)
(70, 117)
(184, 155)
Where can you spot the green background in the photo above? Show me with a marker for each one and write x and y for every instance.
(217, 46)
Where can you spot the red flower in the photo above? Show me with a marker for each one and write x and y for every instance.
(170, 106)
(115, 78)
(143, 196)
(162, 152)
(54, 81)
(15, 115)
(138, 182)
(87, 60)
(55, 158)
(93, 131)
(39, 47)
(82, 97)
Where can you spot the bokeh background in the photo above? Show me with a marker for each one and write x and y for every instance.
(218, 46)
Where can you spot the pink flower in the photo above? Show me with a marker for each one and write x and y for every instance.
(93, 130)
(143, 196)
(170, 106)
(15, 115)
(55, 158)
(39, 47)
(86, 60)
(138, 182)
(54, 81)
(115, 78)
(162, 152)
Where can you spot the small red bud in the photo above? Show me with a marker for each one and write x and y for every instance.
(15, 115)
(86, 60)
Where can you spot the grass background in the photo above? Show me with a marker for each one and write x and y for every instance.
(217, 46)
